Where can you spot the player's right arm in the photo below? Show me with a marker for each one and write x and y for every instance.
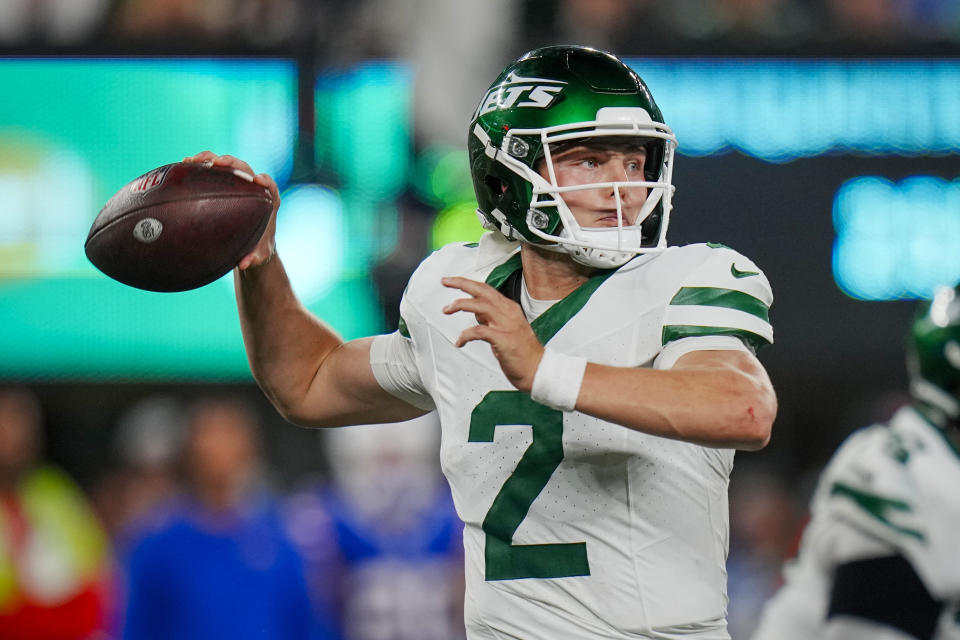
(303, 366)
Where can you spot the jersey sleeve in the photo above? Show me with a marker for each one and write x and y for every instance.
(400, 361)
(723, 302)
(395, 368)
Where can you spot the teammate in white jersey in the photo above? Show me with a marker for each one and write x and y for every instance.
(879, 559)
(592, 383)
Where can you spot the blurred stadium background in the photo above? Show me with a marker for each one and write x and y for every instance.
(819, 137)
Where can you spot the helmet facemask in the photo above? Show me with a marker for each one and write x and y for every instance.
(549, 217)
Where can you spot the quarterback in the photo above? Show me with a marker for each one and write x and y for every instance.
(879, 558)
(592, 383)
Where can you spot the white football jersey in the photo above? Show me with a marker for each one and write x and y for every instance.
(889, 491)
(576, 527)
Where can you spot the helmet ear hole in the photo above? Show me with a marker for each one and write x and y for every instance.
(496, 186)
(652, 167)
(650, 227)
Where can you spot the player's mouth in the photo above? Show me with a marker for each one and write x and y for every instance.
(609, 219)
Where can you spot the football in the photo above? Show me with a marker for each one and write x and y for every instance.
(178, 227)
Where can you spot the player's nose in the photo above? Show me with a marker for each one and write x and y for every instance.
(616, 172)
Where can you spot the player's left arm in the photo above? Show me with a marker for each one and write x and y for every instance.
(719, 398)
(713, 398)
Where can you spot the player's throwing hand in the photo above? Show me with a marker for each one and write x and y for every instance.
(265, 249)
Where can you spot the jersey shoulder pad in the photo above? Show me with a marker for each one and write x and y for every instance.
(424, 283)
(857, 451)
(470, 260)
(719, 291)
(425, 294)
(864, 478)
(447, 260)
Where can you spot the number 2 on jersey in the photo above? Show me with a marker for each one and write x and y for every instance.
(505, 560)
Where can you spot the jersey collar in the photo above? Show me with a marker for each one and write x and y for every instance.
(554, 318)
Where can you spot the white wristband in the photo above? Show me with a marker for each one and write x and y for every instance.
(557, 380)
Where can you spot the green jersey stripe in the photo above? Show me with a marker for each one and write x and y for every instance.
(727, 298)
(680, 331)
(501, 272)
(878, 507)
(553, 319)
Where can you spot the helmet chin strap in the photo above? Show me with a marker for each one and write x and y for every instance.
(601, 255)
(605, 242)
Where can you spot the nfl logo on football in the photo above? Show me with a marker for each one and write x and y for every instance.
(149, 180)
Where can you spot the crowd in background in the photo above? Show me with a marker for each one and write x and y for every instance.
(192, 534)
(371, 27)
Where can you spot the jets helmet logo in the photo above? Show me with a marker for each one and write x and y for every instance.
(517, 91)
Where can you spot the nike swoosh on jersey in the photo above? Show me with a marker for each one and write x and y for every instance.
(741, 274)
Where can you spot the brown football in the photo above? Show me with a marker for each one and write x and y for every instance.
(178, 227)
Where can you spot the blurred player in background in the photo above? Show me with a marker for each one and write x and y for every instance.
(621, 373)
(217, 562)
(879, 559)
(143, 475)
(56, 568)
(382, 539)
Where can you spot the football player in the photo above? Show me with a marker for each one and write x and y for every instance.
(878, 559)
(592, 383)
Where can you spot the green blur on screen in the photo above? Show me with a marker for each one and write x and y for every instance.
(72, 134)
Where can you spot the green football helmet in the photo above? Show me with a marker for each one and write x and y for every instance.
(933, 353)
(551, 96)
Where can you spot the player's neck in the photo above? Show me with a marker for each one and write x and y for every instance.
(549, 275)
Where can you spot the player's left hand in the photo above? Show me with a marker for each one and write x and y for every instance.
(502, 324)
